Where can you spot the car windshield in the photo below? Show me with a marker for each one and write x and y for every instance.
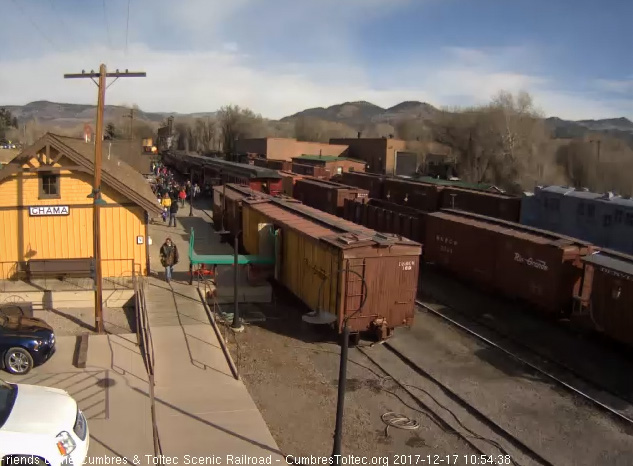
(8, 393)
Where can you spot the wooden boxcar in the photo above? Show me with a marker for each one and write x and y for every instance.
(288, 180)
(387, 217)
(326, 195)
(373, 183)
(608, 294)
(490, 204)
(539, 267)
(421, 196)
(335, 266)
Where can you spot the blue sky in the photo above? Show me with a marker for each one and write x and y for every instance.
(280, 56)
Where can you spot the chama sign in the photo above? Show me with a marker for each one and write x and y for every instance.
(49, 210)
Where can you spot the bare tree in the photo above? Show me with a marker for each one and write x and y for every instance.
(317, 130)
(497, 143)
(236, 123)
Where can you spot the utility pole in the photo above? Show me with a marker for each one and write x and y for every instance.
(131, 117)
(96, 190)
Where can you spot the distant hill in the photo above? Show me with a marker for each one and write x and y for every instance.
(353, 114)
(357, 114)
(621, 128)
(69, 115)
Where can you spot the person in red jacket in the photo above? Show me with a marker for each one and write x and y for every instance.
(182, 195)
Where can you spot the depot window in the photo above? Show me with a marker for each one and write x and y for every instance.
(49, 186)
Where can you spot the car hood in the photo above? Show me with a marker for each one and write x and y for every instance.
(41, 410)
(27, 324)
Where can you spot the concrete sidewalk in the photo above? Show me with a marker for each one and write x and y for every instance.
(201, 409)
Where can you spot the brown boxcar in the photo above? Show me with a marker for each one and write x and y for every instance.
(288, 180)
(421, 196)
(227, 207)
(325, 195)
(331, 264)
(387, 217)
(608, 294)
(539, 267)
(490, 204)
(371, 182)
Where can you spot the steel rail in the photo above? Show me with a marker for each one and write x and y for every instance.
(603, 406)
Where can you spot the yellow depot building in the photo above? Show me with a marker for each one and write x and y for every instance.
(45, 212)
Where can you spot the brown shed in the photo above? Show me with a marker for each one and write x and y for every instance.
(331, 264)
(608, 286)
(537, 266)
(315, 171)
(336, 165)
(327, 196)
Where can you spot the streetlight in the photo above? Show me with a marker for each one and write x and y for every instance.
(342, 373)
(190, 193)
(237, 324)
(323, 317)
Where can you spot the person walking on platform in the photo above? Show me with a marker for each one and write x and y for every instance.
(182, 195)
(173, 210)
(168, 258)
(166, 203)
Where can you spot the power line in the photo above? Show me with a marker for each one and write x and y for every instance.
(107, 25)
(35, 25)
(62, 22)
(127, 27)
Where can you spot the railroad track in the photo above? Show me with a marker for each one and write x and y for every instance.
(590, 392)
(511, 444)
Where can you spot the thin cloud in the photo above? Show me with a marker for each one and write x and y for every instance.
(217, 69)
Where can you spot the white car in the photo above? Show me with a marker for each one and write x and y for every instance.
(41, 425)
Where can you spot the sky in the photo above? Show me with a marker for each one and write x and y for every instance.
(278, 57)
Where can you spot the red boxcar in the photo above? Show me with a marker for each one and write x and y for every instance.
(607, 294)
(540, 267)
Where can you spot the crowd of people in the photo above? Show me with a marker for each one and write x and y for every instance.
(170, 193)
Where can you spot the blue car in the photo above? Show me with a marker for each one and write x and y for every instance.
(25, 342)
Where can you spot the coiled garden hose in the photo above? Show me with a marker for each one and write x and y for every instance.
(399, 421)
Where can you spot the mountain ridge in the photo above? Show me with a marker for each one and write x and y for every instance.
(355, 114)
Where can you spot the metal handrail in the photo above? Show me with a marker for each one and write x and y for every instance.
(144, 336)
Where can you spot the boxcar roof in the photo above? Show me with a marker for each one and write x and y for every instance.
(329, 184)
(253, 171)
(323, 226)
(612, 260)
(116, 173)
(511, 229)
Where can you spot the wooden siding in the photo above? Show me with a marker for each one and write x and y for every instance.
(310, 269)
(53, 237)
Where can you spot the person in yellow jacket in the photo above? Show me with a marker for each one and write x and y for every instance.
(166, 203)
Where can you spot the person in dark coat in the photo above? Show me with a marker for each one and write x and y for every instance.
(173, 210)
(169, 257)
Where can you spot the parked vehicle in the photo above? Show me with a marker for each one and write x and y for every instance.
(25, 342)
(42, 426)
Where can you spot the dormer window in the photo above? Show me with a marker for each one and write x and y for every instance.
(49, 186)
